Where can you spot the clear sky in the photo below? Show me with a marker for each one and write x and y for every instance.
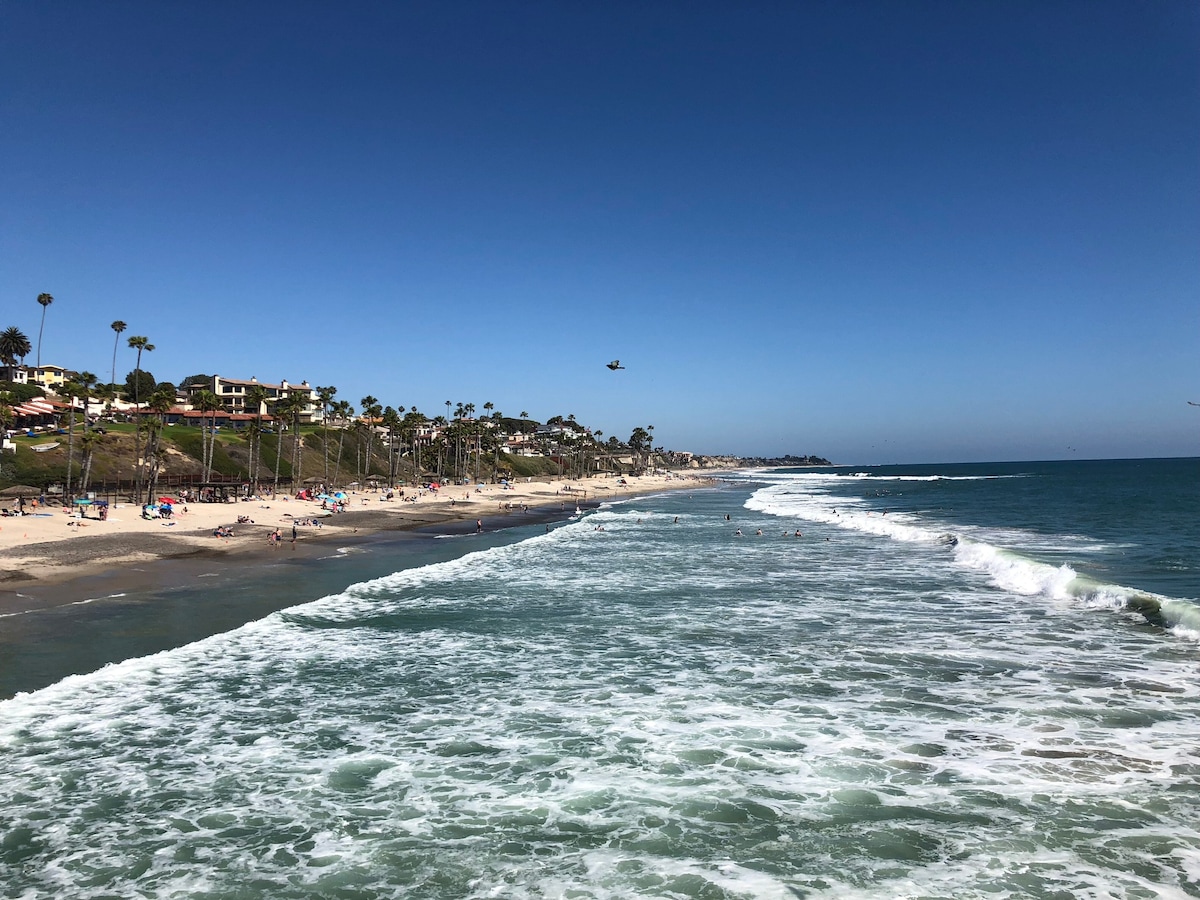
(873, 231)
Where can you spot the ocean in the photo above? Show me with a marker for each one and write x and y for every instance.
(958, 681)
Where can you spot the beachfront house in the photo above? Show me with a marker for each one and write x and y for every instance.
(233, 393)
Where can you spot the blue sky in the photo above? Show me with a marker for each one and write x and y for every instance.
(878, 232)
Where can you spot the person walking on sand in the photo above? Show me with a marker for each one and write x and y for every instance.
(293, 535)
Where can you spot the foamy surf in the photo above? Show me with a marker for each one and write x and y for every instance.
(1010, 569)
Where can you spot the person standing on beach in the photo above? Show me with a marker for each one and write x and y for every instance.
(293, 535)
(479, 526)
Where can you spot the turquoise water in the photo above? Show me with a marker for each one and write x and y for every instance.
(975, 681)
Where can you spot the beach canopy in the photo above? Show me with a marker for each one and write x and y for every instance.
(20, 490)
(84, 502)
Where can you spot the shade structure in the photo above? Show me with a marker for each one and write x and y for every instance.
(20, 490)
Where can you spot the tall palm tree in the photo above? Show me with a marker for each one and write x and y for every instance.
(257, 397)
(293, 406)
(87, 389)
(391, 419)
(207, 402)
(343, 410)
(69, 391)
(160, 403)
(141, 344)
(326, 395)
(370, 410)
(117, 326)
(87, 444)
(277, 414)
(45, 300)
(460, 441)
(13, 346)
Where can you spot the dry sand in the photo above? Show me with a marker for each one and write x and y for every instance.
(57, 546)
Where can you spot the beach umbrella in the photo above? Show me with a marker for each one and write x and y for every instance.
(84, 502)
(20, 490)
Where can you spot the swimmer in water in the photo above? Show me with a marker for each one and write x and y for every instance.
(738, 533)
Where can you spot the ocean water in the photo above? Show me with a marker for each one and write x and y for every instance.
(958, 681)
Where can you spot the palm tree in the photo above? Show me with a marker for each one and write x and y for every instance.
(160, 403)
(69, 391)
(391, 419)
(524, 419)
(326, 395)
(295, 403)
(13, 346)
(117, 326)
(370, 410)
(343, 410)
(207, 402)
(276, 413)
(45, 300)
(87, 386)
(256, 396)
(88, 443)
(139, 343)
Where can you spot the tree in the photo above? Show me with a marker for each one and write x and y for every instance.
(45, 300)
(69, 392)
(87, 389)
(139, 343)
(140, 384)
(206, 402)
(370, 410)
(117, 326)
(160, 403)
(326, 395)
(391, 420)
(198, 379)
(295, 403)
(639, 442)
(88, 442)
(257, 397)
(343, 410)
(13, 346)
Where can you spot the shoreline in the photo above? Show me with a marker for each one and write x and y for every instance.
(44, 570)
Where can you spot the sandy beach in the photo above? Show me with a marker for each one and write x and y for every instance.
(56, 545)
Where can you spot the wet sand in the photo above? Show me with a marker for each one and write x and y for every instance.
(51, 573)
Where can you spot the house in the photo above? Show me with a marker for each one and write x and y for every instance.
(233, 393)
(46, 376)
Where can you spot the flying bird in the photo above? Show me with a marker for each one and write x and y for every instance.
(615, 364)
(1190, 403)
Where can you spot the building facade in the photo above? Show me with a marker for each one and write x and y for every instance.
(234, 396)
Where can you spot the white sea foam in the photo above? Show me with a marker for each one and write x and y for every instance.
(980, 550)
(654, 710)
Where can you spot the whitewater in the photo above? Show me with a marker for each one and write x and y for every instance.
(961, 682)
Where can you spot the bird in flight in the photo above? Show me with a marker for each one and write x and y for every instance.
(615, 364)
(1190, 403)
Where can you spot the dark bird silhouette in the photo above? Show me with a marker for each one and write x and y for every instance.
(615, 364)
(1190, 403)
